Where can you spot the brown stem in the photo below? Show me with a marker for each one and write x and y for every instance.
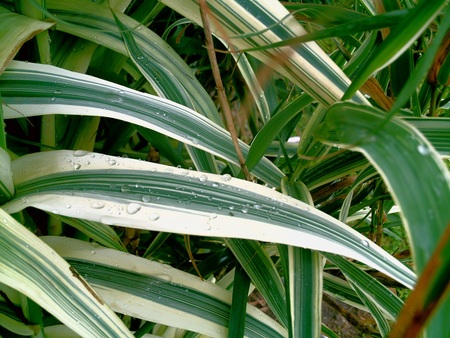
(220, 89)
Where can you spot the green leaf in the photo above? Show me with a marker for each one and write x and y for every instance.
(425, 62)
(15, 30)
(303, 278)
(30, 266)
(306, 65)
(152, 196)
(6, 181)
(397, 142)
(130, 284)
(66, 92)
(241, 286)
(261, 270)
(271, 129)
(400, 38)
(362, 24)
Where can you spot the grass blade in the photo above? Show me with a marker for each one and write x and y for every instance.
(155, 196)
(28, 265)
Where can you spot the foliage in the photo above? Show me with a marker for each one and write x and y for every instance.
(126, 204)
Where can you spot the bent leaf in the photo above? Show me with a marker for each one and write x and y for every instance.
(30, 266)
(127, 192)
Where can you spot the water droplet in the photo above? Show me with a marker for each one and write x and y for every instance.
(68, 206)
(112, 162)
(365, 243)
(98, 205)
(92, 252)
(121, 92)
(133, 208)
(307, 208)
(226, 177)
(203, 178)
(153, 217)
(423, 149)
(215, 185)
(212, 216)
(53, 99)
(55, 211)
(125, 188)
(56, 92)
(77, 166)
(244, 210)
(257, 206)
(146, 199)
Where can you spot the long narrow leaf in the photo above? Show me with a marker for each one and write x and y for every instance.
(306, 65)
(128, 192)
(30, 266)
(15, 30)
(68, 93)
(157, 292)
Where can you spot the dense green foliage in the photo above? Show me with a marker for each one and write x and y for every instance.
(140, 196)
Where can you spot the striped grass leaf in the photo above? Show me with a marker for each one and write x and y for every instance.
(399, 142)
(303, 277)
(15, 30)
(303, 290)
(30, 266)
(78, 17)
(31, 89)
(381, 320)
(378, 294)
(263, 273)
(168, 87)
(157, 292)
(435, 130)
(127, 192)
(341, 290)
(6, 181)
(163, 68)
(244, 25)
(356, 126)
(363, 23)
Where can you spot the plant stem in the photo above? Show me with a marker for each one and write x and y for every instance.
(220, 89)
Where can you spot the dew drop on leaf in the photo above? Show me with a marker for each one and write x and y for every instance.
(153, 217)
(423, 149)
(80, 153)
(133, 208)
(77, 166)
(98, 205)
(226, 177)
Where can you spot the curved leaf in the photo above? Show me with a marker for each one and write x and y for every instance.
(130, 284)
(133, 193)
(30, 266)
(32, 89)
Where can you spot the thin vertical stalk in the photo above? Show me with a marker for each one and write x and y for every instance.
(220, 89)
